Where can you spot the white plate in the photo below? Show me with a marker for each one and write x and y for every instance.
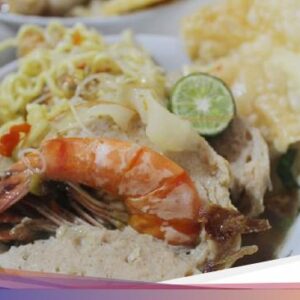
(159, 47)
(162, 19)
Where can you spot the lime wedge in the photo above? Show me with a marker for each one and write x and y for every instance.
(205, 101)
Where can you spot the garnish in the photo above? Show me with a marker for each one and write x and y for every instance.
(205, 101)
(9, 141)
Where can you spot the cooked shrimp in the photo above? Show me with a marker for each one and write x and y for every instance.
(159, 195)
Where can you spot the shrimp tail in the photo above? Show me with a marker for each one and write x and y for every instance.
(14, 185)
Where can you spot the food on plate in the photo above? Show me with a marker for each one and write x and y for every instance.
(237, 40)
(76, 7)
(93, 161)
(253, 46)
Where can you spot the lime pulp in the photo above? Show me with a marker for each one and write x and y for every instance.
(205, 101)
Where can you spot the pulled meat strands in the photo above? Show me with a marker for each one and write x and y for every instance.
(222, 224)
(23, 225)
(29, 230)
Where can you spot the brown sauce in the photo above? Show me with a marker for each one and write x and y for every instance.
(281, 211)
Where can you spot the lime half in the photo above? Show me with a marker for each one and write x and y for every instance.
(205, 101)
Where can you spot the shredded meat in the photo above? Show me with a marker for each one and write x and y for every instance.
(229, 260)
(224, 224)
(29, 230)
(209, 171)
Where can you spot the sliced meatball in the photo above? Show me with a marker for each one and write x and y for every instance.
(247, 152)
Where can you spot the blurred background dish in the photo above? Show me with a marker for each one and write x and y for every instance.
(7, 55)
(76, 7)
(164, 18)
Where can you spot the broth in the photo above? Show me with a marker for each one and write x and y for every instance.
(281, 211)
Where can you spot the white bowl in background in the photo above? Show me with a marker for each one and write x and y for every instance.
(161, 19)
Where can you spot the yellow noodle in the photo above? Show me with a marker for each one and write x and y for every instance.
(61, 68)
